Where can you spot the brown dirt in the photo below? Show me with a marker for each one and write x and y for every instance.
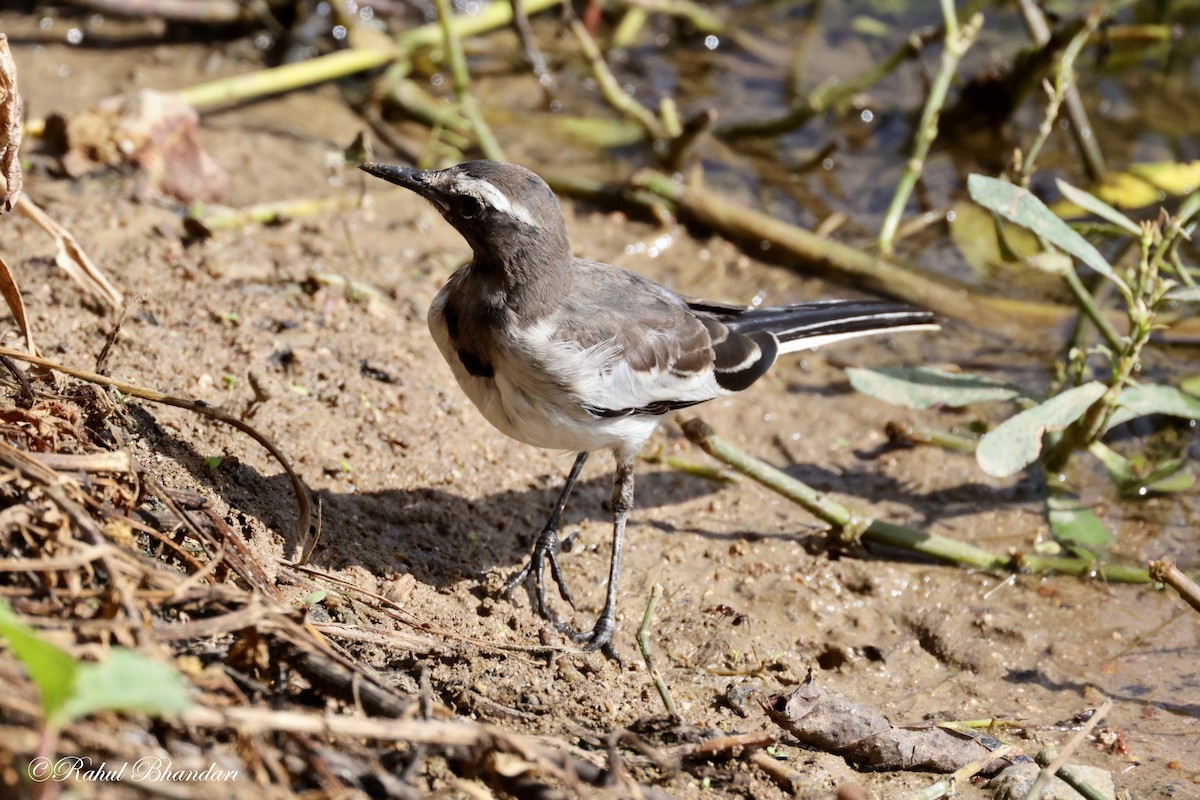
(424, 503)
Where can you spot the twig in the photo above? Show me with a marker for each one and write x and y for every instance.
(1076, 781)
(690, 467)
(341, 64)
(1165, 571)
(905, 434)
(722, 744)
(301, 491)
(1081, 127)
(25, 396)
(854, 525)
(885, 276)
(643, 640)
(75, 560)
(54, 487)
(533, 55)
(612, 195)
(775, 771)
(210, 12)
(110, 340)
(957, 41)
(696, 15)
(462, 82)
(946, 786)
(611, 89)
(1048, 770)
(406, 96)
(851, 523)
(1062, 88)
(828, 95)
(632, 21)
(456, 733)
(400, 613)
(687, 135)
(459, 733)
(230, 548)
(206, 219)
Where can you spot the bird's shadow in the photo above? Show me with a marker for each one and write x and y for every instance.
(438, 536)
(441, 537)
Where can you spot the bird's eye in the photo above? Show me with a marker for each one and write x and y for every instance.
(469, 207)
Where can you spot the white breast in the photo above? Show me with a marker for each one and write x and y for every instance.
(531, 395)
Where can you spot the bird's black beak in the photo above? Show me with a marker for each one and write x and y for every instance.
(410, 178)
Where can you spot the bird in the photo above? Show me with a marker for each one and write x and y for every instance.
(569, 354)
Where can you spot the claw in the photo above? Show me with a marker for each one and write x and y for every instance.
(545, 548)
(600, 636)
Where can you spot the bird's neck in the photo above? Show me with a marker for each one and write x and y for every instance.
(526, 276)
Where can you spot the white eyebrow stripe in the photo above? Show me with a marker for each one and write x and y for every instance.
(487, 193)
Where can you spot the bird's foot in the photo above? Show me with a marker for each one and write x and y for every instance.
(599, 637)
(545, 549)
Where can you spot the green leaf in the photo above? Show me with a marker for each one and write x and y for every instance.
(1092, 204)
(1017, 442)
(925, 387)
(1191, 385)
(126, 681)
(975, 232)
(1051, 262)
(1074, 525)
(1138, 401)
(1117, 466)
(53, 669)
(1022, 207)
(1169, 478)
(1185, 294)
(1189, 208)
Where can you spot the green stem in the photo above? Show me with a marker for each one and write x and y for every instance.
(1092, 310)
(902, 433)
(643, 640)
(958, 41)
(1064, 86)
(856, 525)
(852, 523)
(699, 17)
(462, 81)
(217, 218)
(1081, 128)
(276, 80)
(611, 89)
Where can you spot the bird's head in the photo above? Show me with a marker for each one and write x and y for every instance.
(506, 213)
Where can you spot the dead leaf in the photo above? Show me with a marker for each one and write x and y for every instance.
(154, 132)
(72, 258)
(10, 130)
(16, 304)
(861, 734)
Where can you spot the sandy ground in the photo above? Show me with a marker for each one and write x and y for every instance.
(425, 504)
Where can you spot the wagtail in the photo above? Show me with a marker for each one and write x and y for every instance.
(569, 354)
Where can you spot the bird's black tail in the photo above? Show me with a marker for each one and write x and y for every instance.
(804, 326)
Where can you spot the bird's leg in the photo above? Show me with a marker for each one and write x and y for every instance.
(601, 635)
(545, 548)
